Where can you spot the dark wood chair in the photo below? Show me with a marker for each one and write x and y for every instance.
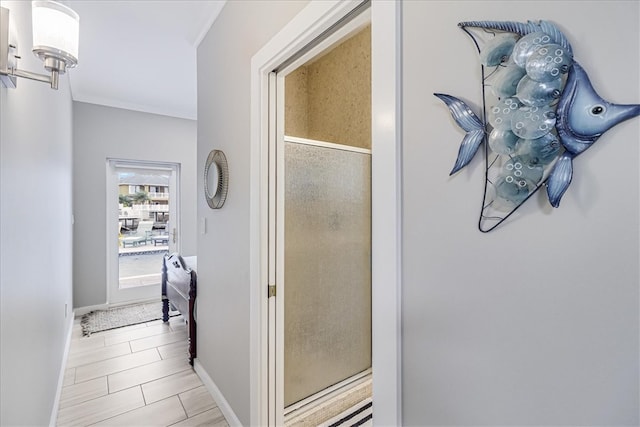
(179, 289)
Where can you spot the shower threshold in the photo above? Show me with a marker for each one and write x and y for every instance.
(330, 402)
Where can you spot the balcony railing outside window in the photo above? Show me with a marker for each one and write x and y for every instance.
(154, 195)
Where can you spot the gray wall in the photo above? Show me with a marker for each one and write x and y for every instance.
(224, 99)
(537, 322)
(104, 132)
(35, 237)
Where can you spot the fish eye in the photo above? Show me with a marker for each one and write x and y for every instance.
(597, 110)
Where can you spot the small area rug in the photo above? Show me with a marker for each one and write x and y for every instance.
(118, 317)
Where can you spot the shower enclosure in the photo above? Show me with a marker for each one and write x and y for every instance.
(327, 318)
(323, 211)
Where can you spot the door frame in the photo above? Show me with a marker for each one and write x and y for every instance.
(310, 23)
(136, 294)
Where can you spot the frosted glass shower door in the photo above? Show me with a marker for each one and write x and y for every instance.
(327, 266)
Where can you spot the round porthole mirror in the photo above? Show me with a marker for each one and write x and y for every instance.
(216, 179)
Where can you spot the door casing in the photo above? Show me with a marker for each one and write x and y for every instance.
(310, 23)
(356, 21)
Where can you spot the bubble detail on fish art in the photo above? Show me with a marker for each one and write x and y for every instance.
(528, 44)
(539, 151)
(548, 62)
(517, 179)
(511, 191)
(537, 94)
(498, 49)
(506, 81)
(527, 88)
(503, 141)
(521, 169)
(500, 114)
(533, 122)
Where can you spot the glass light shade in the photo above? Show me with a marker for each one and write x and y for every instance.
(55, 32)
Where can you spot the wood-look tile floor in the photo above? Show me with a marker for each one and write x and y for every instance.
(135, 376)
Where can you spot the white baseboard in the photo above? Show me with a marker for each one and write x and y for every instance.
(53, 421)
(224, 406)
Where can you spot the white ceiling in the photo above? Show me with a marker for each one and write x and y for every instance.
(141, 54)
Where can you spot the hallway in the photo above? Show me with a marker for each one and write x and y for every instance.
(134, 376)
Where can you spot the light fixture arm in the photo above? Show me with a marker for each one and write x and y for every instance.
(15, 72)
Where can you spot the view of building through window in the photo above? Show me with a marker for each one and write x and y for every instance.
(143, 219)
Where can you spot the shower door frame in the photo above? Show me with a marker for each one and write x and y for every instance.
(280, 329)
(266, 401)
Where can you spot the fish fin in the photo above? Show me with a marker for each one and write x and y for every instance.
(461, 113)
(560, 178)
(556, 35)
(470, 123)
(523, 28)
(468, 149)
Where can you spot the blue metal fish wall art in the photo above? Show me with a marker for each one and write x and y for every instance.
(540, 111)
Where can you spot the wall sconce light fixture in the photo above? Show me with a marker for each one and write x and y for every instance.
(55, 42)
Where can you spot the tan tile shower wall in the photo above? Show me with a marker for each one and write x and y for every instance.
(329, 99)
(296, 104)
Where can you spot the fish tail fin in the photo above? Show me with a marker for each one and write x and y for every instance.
(560, 178)
(470, 123)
